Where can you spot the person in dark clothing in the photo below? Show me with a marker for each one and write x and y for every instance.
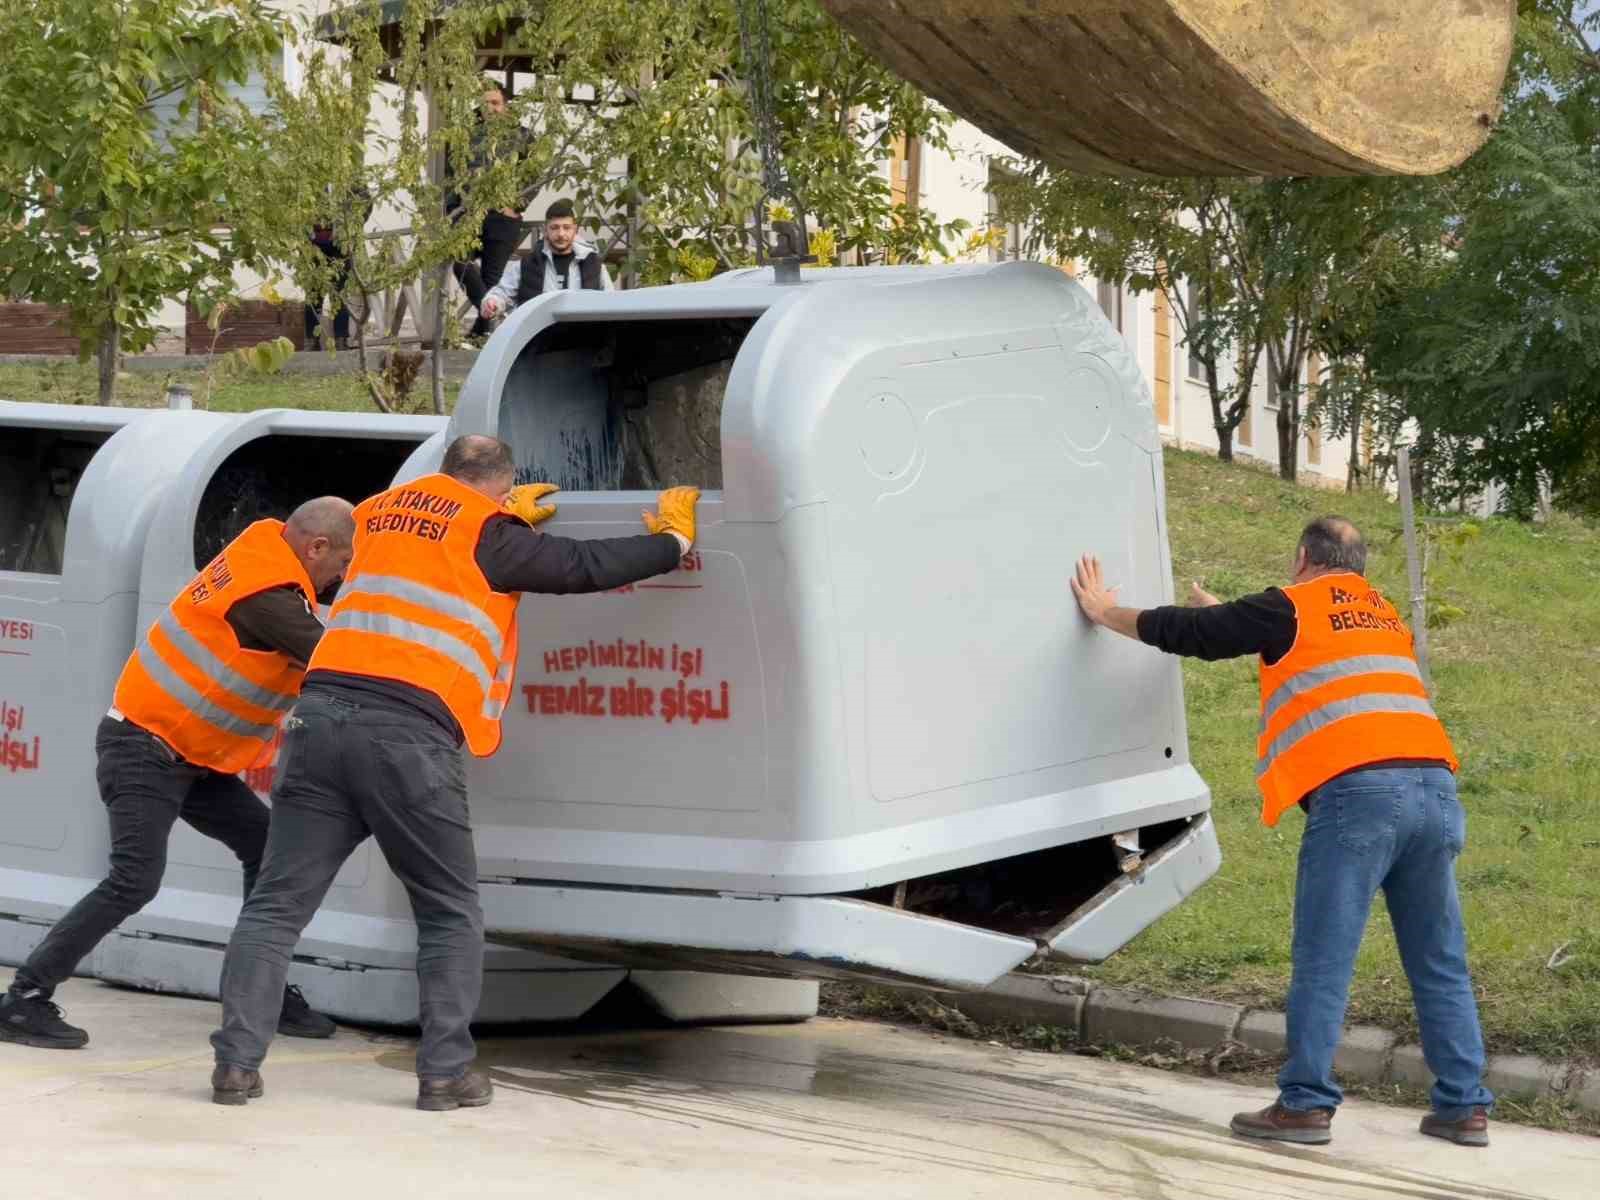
(419, 660)
(559, 262)
(148, 781)
(1347, 734)
(322, 239)
(501, 230)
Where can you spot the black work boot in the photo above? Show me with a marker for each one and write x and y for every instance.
(30, 1019)
(297, 1019)
(471, 1089)
(235, 1085)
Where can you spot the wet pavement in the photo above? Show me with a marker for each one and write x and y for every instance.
(831, 1108)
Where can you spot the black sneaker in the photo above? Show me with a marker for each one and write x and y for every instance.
(30, 1019)
(297, 1019)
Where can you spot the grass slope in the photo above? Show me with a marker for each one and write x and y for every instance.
(74, 383)
(1515, 681)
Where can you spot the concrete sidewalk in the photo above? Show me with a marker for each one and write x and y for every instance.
(829, 1109)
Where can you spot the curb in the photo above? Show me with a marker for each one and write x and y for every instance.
(1368, 1054)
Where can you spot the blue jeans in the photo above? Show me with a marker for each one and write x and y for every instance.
(1399, 829)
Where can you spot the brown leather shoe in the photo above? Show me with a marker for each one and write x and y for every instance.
(234, 1085)
(1275, 1123)
(471, 1089)
(1470, 1130)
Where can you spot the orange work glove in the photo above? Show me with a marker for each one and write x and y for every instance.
(524, 502)
(676, 506)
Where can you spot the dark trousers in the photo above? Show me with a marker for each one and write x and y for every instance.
(341, 319)
(350, 769)
(145, 788)
(498, 241)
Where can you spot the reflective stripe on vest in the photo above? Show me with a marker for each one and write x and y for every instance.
(1347, 694)
(181, 690)
(190, 682)
(1338, 710)
(494, 707)
(440, 602)
(207, 663)
(416, 607)
(1315, 677)
(389, 625)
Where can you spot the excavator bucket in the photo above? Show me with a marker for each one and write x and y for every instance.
(1207, 87)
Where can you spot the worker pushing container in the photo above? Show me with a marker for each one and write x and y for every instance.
(862, 731)
(104, 515)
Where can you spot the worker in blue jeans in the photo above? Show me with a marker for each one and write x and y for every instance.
(1348, 734)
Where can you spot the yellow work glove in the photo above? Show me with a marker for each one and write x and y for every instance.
(676, 506)
(524, 502)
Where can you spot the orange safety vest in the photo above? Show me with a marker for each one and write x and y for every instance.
(189, 681)
(1348, 693)
(415, 608)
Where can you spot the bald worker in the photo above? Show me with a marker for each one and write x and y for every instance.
(199, 700)
(1348, 735)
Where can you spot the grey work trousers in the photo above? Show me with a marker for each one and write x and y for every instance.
(349, 769)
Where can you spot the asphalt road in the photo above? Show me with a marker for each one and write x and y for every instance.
(832, 1108)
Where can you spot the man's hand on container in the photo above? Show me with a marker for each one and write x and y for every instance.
(1099, 602)
(490, 308)
(1089, 586)
(1199, 597)
(524, 502)
(675, 507)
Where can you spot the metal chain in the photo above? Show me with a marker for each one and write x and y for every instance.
(755, 42)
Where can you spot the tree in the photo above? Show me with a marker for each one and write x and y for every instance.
(637, 108)
(1494, 349)
(684, 133)
(374, 124)
(120, 140)
(1280, 266)
(1175, 237)
(1312, 254)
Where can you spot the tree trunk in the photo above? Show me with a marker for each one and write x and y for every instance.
(1224, 444)
(106, 352)
(1353, 471)
(1421, 452)
(436, 358)
(1288, 379)
(1218, 421)
(1288, 443)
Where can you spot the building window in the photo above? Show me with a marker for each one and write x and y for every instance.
(1110, 297)
(1272, 388)
(1016, 242)
(1197, 368)
(1313, 420)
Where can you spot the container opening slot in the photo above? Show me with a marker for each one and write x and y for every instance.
(272, 475)
(39, 472)
(602, 406)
